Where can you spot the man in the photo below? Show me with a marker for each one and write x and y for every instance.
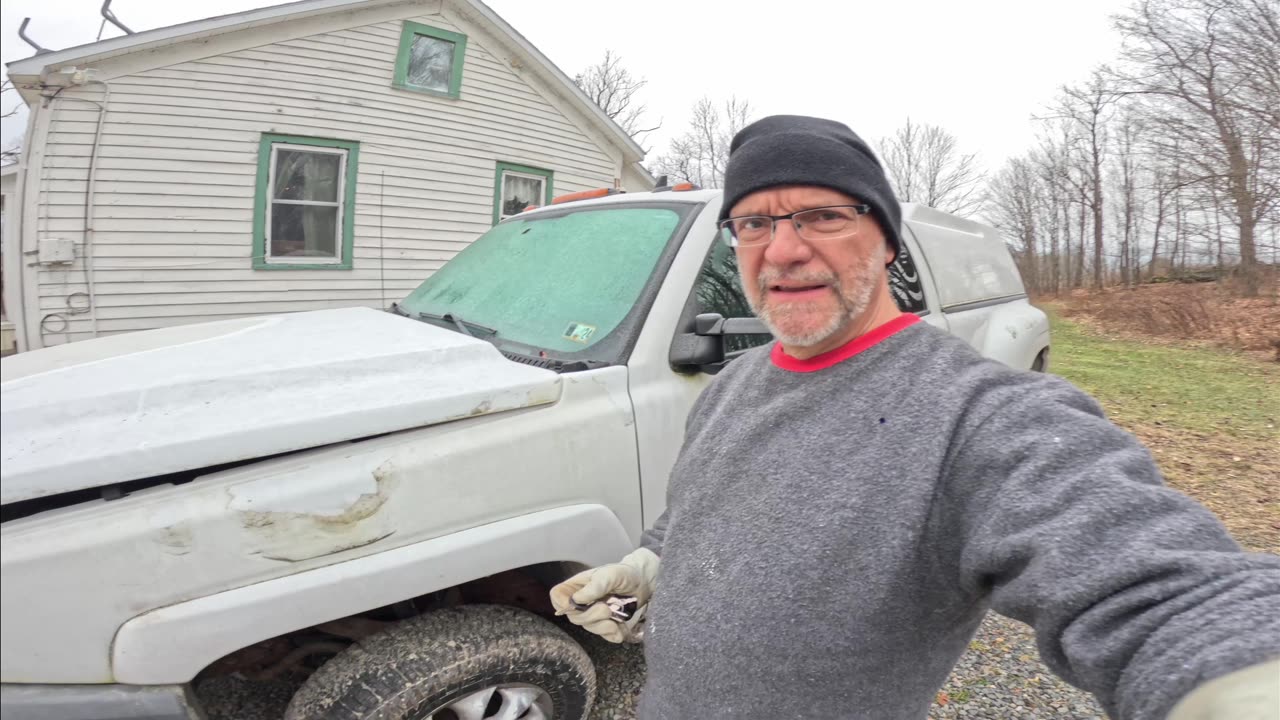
(850, 501)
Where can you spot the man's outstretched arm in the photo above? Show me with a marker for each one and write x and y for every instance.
(1136, 592)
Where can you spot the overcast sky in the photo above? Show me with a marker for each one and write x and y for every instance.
(980, 68)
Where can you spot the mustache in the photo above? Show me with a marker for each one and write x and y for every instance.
(773, 276)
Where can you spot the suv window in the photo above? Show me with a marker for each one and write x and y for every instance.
(904, 283)
(719, 290)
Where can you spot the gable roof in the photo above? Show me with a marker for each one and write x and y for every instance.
(38, 65)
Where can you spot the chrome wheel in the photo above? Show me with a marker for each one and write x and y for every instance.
(503, 702)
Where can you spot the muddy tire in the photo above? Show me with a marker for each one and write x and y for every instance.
(428, 664)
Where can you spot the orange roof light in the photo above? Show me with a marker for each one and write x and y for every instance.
(584, 195)
(527, 208)
(678, 187)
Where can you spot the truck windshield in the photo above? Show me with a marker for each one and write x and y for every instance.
(556, 281)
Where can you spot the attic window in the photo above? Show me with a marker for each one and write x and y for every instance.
(430, 60)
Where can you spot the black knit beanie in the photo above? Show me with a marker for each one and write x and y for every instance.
(797, 150)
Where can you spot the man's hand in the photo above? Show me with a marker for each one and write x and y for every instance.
(633, 576)
(1249, 694)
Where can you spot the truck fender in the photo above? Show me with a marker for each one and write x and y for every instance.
(172, 644)
(1015, 334)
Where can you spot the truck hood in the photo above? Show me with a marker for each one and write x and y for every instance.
(144, 404)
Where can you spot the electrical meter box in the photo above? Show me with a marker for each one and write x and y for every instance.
(56, 251)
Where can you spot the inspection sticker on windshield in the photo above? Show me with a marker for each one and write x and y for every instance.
(579, 332)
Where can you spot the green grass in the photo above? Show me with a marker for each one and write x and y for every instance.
(1198, 389)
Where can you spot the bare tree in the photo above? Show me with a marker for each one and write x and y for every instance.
(700, 154)
(1207, 70)
(1014, 205)
(611, 86)
(1162, 187)
(1127, 171)
(1089, 108)
(926, 166)
(1054, 160)
(1252, 42)
(1071, 173)
(1050, 219)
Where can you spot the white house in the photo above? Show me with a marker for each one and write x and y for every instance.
(318, 154)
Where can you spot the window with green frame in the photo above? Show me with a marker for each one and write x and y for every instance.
(430, 60)
(516, 187)
(304, 204)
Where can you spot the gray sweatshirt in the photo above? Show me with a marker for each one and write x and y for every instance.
(835, 532)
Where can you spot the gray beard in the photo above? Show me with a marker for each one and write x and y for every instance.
(853, 299)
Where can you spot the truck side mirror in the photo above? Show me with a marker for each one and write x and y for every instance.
(708, 324)
(703, 349)
(695, 351)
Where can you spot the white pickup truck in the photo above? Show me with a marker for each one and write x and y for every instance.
(382, 498)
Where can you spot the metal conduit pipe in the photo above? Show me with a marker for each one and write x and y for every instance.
(89, 196)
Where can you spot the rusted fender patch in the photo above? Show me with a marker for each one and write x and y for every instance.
(314, 511)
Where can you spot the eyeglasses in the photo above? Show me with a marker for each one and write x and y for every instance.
(814, 224)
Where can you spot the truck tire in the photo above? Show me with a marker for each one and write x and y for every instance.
(467, 663)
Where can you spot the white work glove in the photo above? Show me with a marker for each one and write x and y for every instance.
(634, 576)
(1249, 694)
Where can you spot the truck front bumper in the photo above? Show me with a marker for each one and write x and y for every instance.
(98, 702)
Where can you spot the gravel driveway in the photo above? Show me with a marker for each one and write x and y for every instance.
(999, 678)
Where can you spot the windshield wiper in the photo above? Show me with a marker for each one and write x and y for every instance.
(556, 364)
(395, 308)
(459, 323)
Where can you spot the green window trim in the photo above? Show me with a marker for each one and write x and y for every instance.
(407, 34)
(261, 192)
(505, 167)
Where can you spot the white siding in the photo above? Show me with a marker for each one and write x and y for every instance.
(178, 162)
